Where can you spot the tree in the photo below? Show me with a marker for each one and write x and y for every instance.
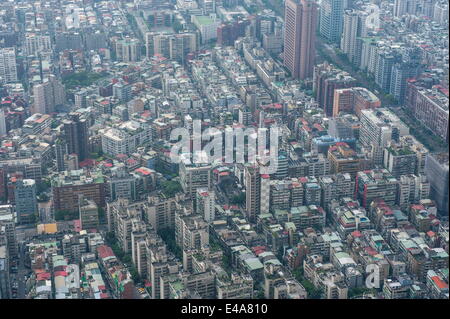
(101, 215)
(355, 292)
(135, 275)
(168, 235)
(391, 99)
(226, 263)
(127, 259)
(177, 27)
(160, 168)
(170, 188)
(313, 292)
(74, 80)
(280, 253)
(110, 238)
(66, 215)
(238, 199)
(43, 198)
(117, 251)
(260, 295)
(42, 186)
(298, 273)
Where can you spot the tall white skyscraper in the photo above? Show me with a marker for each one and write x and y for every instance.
(47, 95)
(36, 43)
(402, 7)
(8, 67)
(331, 13)
(2, 122)
(205, 204)
(354, 27)
(127, 50)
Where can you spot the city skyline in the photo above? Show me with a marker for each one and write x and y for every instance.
(269, 151)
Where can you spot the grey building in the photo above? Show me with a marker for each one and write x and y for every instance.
(331, 19)
(436, 169)
(26, 202)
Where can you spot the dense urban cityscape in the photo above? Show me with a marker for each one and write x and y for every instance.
(224, 149)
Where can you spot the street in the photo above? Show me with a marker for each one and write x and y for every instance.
(18, 277)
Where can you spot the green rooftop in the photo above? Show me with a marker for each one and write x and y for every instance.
(253, 264)
(204, 20)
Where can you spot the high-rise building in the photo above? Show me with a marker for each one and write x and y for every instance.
(440, 12)
(429, 106)
(159, 211)
(376, 184)
(48, 95)
(285, 194)
(344, 128)
(343, 159)
(313, 192)
(264, 24)
(310, 215)
(354, 100)
(402, 7)
(127, 50)
(121, 184)
(257, 192)
(401, 72)
(171, 46)
(300, 37)
(282, 168)
(26, 202)
(426, 8)
(208, 6)
(436, 169)
(88, 213)
(36, 43)
(8, 67)
(94, 39)
(369, 53)
(326, 80)
(122, 91)
(193, 177)
(412, 189)
(400, 159)
(238, 287)
(60, 148)
(68, 185)
(354, 28)
(207, 26)
(2, 122)
(230, 32)
(312, 164)
(206, 204)
(336, 186)
(191, 232)
(76, 135)
(5, 280)
(68, 41)
(331, 19)
(8, 220)
(80, 98)
(71, 162)
(378, 127)
(383, 71)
